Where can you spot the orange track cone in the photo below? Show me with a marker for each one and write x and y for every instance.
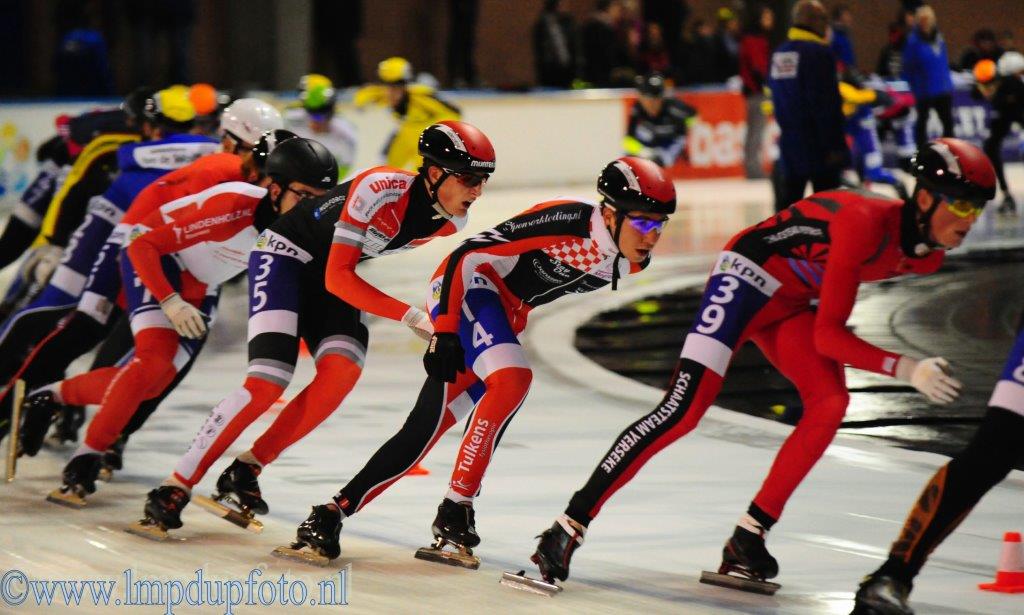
(1010, 574)
(418, 470)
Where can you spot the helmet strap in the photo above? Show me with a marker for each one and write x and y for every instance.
(916, 227)
(435, 187)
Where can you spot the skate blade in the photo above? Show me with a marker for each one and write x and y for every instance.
(246, 522)
(66, 498)
(519, 580)
(741, 583)
(13, 439)
(302, 554)
(459, 558)
(146, 529)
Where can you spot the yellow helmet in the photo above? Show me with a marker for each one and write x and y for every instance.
(171, 106)
(316, 92)
(395, 70)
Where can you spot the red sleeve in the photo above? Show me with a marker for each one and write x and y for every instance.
(220, 217)
(347, 248)
(855, 237)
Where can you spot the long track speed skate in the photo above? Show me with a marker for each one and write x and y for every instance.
(453, 527)
(746, 564)
(162, 512)
(79, 480)
(317, 541)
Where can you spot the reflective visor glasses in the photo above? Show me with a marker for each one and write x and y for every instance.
(470, 180)
(962, 208)
(646, 225)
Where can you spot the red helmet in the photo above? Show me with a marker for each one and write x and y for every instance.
(457, 147)
(955, 168)
(636, 184)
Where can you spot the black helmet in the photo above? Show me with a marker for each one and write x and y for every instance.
(955, 168)
(134, 104)
(651, 84)
(302, 160)
(457, 147)
(635, 184)
(267, 143)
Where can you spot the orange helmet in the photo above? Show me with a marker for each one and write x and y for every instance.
(984, 71)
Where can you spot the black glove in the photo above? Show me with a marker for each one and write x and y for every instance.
(444, 357)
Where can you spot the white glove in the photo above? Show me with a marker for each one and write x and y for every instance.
(186, 318)
(417, 320)
(41, 262)
(931, 377)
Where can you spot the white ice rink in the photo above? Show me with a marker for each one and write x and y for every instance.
(643, 554)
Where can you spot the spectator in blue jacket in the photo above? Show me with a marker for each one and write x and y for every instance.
(926, 69)
(842, 46)
(805, 94)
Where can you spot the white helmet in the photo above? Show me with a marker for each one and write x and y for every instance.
(1010, 63)
(248, 118)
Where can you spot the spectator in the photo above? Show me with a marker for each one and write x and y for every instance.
(654, 57)
(554, 49)
(462, 41)
(671, 16)
(926, 69)
(727, 40)
(603, 50)
(1007, 42)
(81, 63)
(842, 46)
(700, 45)
(983, 47)
(890, 60)
(755, 49)
(805, 92)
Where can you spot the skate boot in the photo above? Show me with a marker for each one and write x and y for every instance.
(79, 480)
(317, 539)
(746, 564)
(882, 595)
(37, 412)
(454, 525)
(1008, 206)
(66, 425)
(113, 459)
(238, 497)
(552, 556)
(162, 512)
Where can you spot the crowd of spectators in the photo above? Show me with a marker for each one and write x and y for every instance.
(621, 39)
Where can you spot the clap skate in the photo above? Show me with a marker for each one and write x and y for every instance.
(162, 512)
(880, 594)
(79, 481)
(453, 526)
(238, 487)
(746, 564)
(112, 460)
(554, 551)
(317, 539)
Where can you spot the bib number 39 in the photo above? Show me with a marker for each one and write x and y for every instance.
(713, 314)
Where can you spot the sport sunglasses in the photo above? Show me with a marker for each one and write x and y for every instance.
(646, 225)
